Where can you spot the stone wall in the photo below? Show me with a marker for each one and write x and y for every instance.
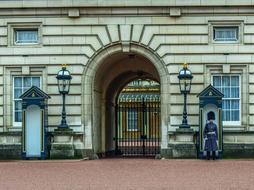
(10, 145)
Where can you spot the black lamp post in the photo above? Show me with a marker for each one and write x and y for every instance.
(185, 78)
(63, 78)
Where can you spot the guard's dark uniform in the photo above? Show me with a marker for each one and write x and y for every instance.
(211, 136)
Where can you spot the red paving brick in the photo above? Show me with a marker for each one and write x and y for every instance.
(127, 174)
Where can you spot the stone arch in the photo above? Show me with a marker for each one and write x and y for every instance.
(89, 103)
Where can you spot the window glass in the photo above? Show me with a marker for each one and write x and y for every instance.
(235, 115)
(17, 93)
(234, 81)
(36, 81)
(226, 91)
(21, 84)
(17, 82)
(26, 36)
(216, 81)
(18, 116)
(230, 87)
(132, 119)
(225, 34)
(235, 92)
(27, 82)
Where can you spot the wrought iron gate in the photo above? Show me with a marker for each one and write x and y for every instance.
(138, 128)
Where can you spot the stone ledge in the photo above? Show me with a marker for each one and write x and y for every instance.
(89, 153)
(10, 151)
(233, 150)
(183, 150)
(181, 144)
(117, 3)
(10, 138)
(237, 132)
(166, 153)
(62, 151)
(11, 133)
(63, 131)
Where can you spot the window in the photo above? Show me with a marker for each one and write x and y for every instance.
(21, 84)
(229, 85)
(226, 34)
(132, 119)
(26, 36)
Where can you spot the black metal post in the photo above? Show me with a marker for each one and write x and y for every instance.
(63, 121)
(143, 126)
(116, 129)
(185, 121)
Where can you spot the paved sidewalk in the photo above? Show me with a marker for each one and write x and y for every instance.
(127, 174)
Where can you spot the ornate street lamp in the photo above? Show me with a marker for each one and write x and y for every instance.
(185, 78)
(64, 79)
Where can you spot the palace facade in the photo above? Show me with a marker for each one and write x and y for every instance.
(106, 45)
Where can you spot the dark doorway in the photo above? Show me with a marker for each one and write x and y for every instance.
(138, 119)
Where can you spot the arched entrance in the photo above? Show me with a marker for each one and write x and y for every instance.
(105, 76)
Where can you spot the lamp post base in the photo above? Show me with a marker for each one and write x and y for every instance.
(62, 146)
(63, 128)
(182, 143)
(184, 126)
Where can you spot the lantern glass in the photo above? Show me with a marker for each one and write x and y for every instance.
(64, 80)
(185, 79)
(64, 86)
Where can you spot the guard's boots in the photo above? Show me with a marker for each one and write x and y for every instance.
(214, 156)
(208, 155)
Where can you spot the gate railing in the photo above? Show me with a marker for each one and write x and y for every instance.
(138, 128)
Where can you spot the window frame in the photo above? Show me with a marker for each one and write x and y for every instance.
(19, 124)
(13, 27)
(225, 23)
(232, 123)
